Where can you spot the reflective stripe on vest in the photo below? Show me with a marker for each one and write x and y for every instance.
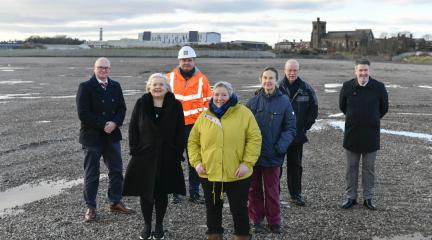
(188, 97)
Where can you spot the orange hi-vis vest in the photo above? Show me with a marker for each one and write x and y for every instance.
(193, 93)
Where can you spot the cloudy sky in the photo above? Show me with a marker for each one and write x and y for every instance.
(266, 20)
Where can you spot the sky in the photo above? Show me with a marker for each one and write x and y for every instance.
(269, 21)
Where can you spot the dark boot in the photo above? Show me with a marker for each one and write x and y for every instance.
(215, 236)
(242, 237)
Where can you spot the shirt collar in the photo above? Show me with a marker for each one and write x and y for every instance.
(100, 81)
(362, 85)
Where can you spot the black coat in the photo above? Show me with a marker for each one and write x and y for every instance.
(97, 106)
(156, 147)
(305, 105)
(363, 108)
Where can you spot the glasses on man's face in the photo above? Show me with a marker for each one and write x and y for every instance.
(103, 68)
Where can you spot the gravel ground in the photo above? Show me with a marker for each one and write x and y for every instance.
(39, 132)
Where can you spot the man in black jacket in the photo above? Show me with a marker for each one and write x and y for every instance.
(101, 110)
(305, 106)
(364, 101)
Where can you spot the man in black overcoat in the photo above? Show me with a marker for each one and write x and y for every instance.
(101, 110)
(364, 101)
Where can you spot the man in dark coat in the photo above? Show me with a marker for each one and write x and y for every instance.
(305, 105)
(101, 110)
(364, 101)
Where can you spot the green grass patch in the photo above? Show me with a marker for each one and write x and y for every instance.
(418, 59)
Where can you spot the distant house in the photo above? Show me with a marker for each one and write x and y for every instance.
(284, 46)
(339, 40)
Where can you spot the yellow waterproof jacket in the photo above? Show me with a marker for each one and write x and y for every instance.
(221, 145)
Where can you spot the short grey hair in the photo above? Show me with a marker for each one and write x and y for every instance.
(226, 85)
(158, 75)
(293, 62)
(102, 59)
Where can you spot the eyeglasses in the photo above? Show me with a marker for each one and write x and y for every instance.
(103, 68)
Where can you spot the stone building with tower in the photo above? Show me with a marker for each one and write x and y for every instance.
(340, 40)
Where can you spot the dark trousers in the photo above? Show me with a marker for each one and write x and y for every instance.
(112, 158)
(237, 193)
(294, 157)
(160, 204)
(194, 179)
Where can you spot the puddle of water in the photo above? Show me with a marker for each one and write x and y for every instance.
(13, 82)
(7, 70)
(416, 114)
(414, 236)
(336, 115)
(425, 86)
(319, 125)
(60, 97)
(126, 76)
(330, 91)
(332, 85)
(251, 86)
(43, 121)
(4, 102)
(43, 84)
(27, 193)
(423, 136)
(131, 92)
(394, 86)
(19, 95)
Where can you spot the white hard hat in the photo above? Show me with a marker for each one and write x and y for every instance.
(186, 52)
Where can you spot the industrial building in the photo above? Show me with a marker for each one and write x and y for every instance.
(194, 37)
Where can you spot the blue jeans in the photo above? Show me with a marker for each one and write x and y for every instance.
(194, 180)
(112, 158)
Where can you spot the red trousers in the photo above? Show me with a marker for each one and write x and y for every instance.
(264, 195)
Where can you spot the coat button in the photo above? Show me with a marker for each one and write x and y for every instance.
(103, 101)
(103, 113)
(112, 100)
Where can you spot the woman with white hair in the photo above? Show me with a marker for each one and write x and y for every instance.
(156, 143)
(224, 145)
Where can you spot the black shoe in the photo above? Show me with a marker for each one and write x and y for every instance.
(176, 199)
(158, 232)
(298, 200)
(275, 228)
(146, 232)
(368, 204)
(258, 228)
(349, 203)
(195, 198)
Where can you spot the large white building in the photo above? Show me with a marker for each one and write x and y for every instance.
(180, 38)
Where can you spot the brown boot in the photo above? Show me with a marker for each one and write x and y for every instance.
(214, 236)
(242, 237)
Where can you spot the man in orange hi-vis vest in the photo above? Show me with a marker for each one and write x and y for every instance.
(191, 87)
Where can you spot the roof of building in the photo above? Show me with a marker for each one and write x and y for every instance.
(358, 33)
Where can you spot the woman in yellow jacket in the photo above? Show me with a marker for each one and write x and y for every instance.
(224, 145)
